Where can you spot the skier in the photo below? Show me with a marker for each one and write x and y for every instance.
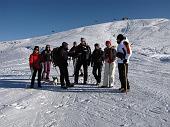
(109, 71)
(97, 60)
(83, 54)
(63, 64)
(47, 58)
(35, 62)
(123, 53)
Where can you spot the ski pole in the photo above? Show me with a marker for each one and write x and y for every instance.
(125, 78)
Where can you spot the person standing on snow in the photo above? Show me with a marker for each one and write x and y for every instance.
(74, 58)
(35, 62)
(47, 58)
(83, 54)
(109, 71)
(97, 60)
(63, 64)
(123, 53)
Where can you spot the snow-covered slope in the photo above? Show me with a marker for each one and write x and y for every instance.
(148, 103)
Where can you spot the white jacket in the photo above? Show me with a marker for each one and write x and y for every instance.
(124, 48)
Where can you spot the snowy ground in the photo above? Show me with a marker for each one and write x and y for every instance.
(146, 105)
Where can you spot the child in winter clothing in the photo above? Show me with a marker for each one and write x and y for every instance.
(109, 71)
(35, 62)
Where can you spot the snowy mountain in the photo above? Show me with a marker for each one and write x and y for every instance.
(147, 104)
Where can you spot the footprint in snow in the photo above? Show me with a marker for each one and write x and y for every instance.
(156, 110)
(167, 108)
(49, 112)
(18, 106)
(2, 116)
(86, 100)
(59, 106)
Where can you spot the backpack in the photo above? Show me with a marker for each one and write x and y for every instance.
(56, 56)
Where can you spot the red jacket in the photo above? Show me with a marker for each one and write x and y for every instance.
(35, 61)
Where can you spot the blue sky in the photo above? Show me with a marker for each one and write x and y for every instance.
(29, 18)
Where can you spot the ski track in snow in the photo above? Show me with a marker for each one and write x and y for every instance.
(146, 105)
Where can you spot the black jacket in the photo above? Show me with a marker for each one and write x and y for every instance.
(72, 51)
(97, 57)
(83, 53)
(47, 55)
(63, 56)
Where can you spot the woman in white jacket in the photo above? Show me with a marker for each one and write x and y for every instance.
(123, 53)
(109, 71)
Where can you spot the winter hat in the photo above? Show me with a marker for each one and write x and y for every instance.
(47, 46)
(120, 37)
(108, 42)
(96, 44)
(83, 39)
(36, 47)
(74, 43)
(64, 44)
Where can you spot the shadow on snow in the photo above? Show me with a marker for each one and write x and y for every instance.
(19, 83)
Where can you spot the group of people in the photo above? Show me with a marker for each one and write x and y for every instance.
(83, 57)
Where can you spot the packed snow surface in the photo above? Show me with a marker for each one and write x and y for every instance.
(146, 105)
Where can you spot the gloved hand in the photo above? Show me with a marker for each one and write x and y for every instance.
(125, 61)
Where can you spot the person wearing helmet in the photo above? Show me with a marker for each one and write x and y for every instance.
(109, 70)
(123, 54)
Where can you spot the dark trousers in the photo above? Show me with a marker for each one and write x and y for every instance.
(97, 69)
(122, 76)
(64, 76)
(34, 75)
(85, 69)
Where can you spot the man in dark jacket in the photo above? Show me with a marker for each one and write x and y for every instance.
(63, 57)
(97, 60)
(74, 58)
(47, 58)
(72, 53)
(83, 54)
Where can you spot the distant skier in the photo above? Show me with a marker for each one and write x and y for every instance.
(63, 65)
(83, 54)
(97, 60)
(123, 53)
(35, 62)
(109, 71)
(47, 58)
